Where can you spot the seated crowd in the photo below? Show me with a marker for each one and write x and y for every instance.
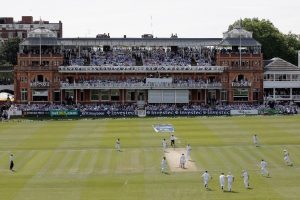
(6, 81)
(280, 108)
(139, 57)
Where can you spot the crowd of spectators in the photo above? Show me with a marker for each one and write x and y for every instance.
(280, 108)
(139, 56)
(6, 81)
(243, 51)
(43, 107)
(44, 51)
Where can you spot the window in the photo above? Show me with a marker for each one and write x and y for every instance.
(105, 95)
(56, 96)
(35, 63)
(95, 95)
(130, 95)
(23, 94)
(40, 78)
(224, 95)
(81, 95)
(255, 94)
(56, 79)
(23, 79)
(224, 78)
(269, 77)
(115, 95)
(199, 95)
(296, 77)
(240, 94)
(141, 96)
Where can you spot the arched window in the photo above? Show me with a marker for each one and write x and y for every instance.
(40, 78)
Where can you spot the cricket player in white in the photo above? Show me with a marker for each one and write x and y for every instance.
(164, 145)
(188, 152)
(263, 166)
(182, 161)
(118, 145)
(230, 180)
(245, 176)
(206, 178)
(286, 158)
(164, 165)
(222, 181)
(255, 140)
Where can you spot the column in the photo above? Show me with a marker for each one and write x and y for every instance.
(76, 96)
(205, 99)
(61, 96)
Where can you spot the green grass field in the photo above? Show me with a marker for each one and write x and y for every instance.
(72, 160)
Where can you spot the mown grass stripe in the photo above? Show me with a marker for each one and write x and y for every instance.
(92, 163)
(75, 161)
(53, 157)
(60, 168)
(233, 157)
(24, 159)
(106, 166)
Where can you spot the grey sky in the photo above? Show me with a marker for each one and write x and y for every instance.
(187, 18)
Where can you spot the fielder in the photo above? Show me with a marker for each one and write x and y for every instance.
(118, 145)
(172, 141)
(164, 165)
(263, 166)
(182, 161)
(245, 176)
(255, 140)
(164, 145)
(206, 178)
(11, 163)
(188, 152)
(230, 180)
(286, 158)
(222, 181)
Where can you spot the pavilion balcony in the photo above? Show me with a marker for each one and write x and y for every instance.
(241, 84)
(141, 85)
(141, 69)
(40, 84)
(281, 84)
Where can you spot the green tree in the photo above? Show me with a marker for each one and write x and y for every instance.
(274, 43)
(2, 59)
(9, 51)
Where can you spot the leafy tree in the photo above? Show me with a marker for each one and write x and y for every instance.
(2, 59)
(9, 51)
(274, 43)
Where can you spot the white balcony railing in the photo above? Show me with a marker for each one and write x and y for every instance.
(286, 97)
(40, 84)
(141, 85)
(241, 84)
(140, 69)
(281, 84)
(7, 87)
